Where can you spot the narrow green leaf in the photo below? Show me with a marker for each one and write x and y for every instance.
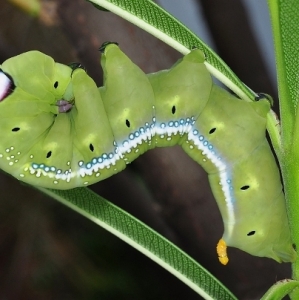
(285, 20)
(144, 239)
(280, 289)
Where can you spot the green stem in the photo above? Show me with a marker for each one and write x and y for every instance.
(291, 182)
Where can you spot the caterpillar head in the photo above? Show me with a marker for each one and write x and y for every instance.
(34, 92)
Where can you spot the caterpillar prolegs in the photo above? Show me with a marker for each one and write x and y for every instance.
(59, 130)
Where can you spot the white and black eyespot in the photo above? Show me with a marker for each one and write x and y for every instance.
(55, 84)
(7, 85)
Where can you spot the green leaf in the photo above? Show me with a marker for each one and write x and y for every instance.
(144, 239)
(285, 18)
(281, 289)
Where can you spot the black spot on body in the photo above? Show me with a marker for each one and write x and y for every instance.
(49, 154)
(212, 130)
(250, 233)
(16, 129)
(91, 148)
(56, 84)
(128, 123)
(245, 187)
(173, 110)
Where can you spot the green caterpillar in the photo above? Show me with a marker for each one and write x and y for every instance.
(59, 130)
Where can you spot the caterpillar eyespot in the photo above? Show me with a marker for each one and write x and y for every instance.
(66, 132)
(7, 85)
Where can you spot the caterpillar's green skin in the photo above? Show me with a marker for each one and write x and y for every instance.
(109, 127)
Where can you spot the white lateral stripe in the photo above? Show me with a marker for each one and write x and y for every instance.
(224, 173)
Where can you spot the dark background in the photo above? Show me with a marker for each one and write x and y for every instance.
(48, 251)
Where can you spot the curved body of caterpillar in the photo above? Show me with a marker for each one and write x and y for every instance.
(59, 130)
